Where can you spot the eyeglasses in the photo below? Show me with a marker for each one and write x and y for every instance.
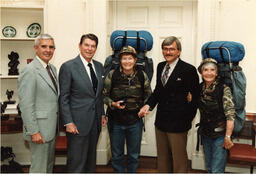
(169, 49)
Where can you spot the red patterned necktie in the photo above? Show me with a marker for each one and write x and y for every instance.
(165, 75)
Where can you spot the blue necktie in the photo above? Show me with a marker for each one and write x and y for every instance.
(93, 77)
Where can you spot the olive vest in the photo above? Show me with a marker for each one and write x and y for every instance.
(129, 89)
(213, 120)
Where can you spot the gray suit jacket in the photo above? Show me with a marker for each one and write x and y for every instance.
(78, 102)
(38, 101)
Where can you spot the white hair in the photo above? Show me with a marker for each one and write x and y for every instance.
(209, 64)
(43, 36)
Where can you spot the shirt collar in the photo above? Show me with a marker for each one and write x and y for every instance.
(173, 64)
(42, 62)
(131, 75)
(85, 61)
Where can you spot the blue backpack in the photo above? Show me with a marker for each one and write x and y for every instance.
(228, 54)
(141, 41)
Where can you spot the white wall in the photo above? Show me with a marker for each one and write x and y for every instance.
(236, 22)
(65, 20)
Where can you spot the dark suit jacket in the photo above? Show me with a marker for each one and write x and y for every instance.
(174, 113)
(78, 102)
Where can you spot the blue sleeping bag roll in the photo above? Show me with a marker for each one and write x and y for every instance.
(222, 50)
(142, 40)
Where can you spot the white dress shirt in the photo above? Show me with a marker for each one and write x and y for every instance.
(87, 67)
(45, 65)
(172, 66)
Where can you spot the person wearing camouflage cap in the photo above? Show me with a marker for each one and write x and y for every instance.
(128, 50)
(125, 91)
(217, 116)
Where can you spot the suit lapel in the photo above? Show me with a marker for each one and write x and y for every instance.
(175, 72)
(84, 74)
(43, 73)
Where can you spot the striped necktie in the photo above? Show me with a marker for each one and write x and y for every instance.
(164, 77)
(52, 78)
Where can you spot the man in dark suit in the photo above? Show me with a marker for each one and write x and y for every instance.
(176, 94)
(38, 95)
(81, 104)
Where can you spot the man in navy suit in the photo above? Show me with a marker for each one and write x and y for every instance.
(176, 94)
(81, 105)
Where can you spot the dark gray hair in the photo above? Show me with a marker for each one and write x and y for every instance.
(169, 40)
(43, 36)
(89, 36)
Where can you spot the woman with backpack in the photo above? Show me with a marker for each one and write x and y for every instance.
(125, 91)
(217, 117)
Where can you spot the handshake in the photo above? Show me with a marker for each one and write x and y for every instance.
(144, 111)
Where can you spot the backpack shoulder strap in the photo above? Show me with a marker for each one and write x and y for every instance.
(141, 78)
(115, 74)
(113, 77)
(108, 65)
(219, 92)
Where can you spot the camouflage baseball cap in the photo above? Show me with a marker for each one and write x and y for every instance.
(128, 50)
(206, 61)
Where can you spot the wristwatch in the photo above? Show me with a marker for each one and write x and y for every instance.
(228, 136)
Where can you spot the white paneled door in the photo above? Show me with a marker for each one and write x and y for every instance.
(161, 19)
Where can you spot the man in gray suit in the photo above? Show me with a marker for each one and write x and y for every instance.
(38, 97)
(81, 105)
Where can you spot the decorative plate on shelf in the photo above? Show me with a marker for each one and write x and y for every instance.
(33, 30)
(9, 31)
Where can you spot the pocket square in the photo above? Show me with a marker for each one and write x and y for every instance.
(178, 79)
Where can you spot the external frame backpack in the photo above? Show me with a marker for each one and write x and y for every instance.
(142, 41)
(228, 54)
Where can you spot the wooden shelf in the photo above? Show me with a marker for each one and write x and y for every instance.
(8, 77)
(11, 126)
(29, 6)
(17, 39)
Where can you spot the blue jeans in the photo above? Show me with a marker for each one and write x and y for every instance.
(132, 134)
(215, 154)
